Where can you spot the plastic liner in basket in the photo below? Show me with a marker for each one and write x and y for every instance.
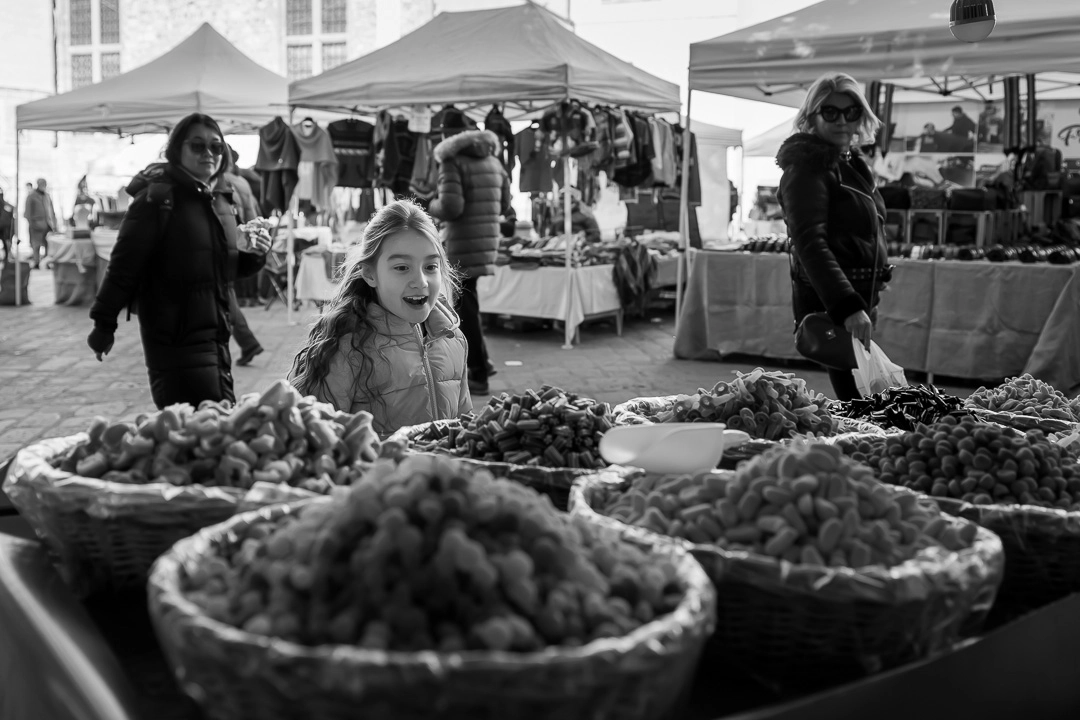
(1042, 550)
(105, 535)
(1020, 421)
(553, 482)
(235, 674)
(799, 627)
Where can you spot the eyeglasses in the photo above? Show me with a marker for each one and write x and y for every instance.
(831, 113)
(198, 147)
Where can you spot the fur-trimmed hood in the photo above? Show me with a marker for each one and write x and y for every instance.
(809, 151)
(475, 143)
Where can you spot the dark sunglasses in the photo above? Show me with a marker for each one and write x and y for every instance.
(200, 146)
(831, 113)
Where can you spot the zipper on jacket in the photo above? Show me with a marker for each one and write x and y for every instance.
(429, 379)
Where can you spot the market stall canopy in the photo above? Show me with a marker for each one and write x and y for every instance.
(519, 55)
(707, 134)
(906, 42)
(205, 73)
(767, 144)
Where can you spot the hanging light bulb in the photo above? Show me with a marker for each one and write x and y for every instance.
(972, 20)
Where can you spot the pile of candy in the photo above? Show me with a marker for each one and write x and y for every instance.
(900, 407)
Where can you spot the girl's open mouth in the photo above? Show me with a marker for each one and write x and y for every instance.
(416, 300)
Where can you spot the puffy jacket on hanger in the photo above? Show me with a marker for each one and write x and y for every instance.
(497, 123)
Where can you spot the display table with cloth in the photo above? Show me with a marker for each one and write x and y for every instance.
(541, 293)
(103, 240)
(976, 320)
(315, 277)
(74, 266)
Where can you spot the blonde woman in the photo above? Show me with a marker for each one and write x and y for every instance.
(834, 213)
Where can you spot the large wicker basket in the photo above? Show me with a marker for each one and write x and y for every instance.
(799, 627)
(105, 536)
(234, 674)
(1042, 551)
(555, 482)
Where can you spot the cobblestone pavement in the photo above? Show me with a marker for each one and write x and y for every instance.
(51, 384)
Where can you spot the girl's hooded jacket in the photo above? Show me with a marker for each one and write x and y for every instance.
(474, 191)
(418, 375)
(834, 216)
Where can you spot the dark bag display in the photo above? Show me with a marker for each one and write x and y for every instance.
(928, 199)
(896, 197)
(972, 199)
(819, 339)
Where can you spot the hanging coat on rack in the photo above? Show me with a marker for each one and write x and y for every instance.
(497, 123)
(353, 142)
(317, 149)
(279, 156)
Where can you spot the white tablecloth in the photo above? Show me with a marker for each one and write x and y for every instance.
(541, 293)
(311, 280)
(103, 240)
(322, 234)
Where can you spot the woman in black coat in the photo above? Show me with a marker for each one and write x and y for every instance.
(834, 213)
(175, 257)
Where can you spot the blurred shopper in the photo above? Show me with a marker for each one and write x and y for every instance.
(7, 225)
(473, 192)
(834, 213)
(248, 210)
(41, 218)
(175, 256)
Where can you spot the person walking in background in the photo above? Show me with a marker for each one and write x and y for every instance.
(175, 256)
(247, 210)
(473, 193)
(7, 225)
(962, 126)
(389, 342)
(834, 213)
(41, 217)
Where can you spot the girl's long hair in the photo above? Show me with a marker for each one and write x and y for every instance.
(348, 311)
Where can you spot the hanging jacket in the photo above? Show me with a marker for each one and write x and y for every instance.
(424, 182)
(474, 191)
(418, 378)
(497, 123)
(279, 156)
(834, 216)
(178, 268)
(353, 142)
(316, 148)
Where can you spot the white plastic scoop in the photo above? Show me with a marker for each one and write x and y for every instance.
(670, 447)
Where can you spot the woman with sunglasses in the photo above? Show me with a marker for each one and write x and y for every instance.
(834, 213)
(175, 257)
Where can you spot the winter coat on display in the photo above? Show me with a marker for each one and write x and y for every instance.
(279, 157)
(474, 190)
(317, 149)
(497, 123)
(834, 217)
(353, 140)
(177, 265)
(419, 374)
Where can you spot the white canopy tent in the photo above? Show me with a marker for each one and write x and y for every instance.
(204, 73)
(520, 56)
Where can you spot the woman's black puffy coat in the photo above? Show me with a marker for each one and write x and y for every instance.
(177, 265)
(835, 217)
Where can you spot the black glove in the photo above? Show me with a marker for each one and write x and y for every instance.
(100, 341)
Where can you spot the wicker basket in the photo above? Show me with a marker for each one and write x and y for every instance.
(105, 536)
(235, 674)
(553, 482)
(1042, 550)
(801, 627)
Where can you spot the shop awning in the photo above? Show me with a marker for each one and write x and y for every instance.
(906, 42)
(205, 73)
(520, 55)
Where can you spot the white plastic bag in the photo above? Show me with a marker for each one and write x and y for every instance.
(875, 372)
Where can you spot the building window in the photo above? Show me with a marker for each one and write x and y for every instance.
(333, 54)
(80, 22)
(82, 70)
(110, 22)
(298, 17)
(333, 17)
(298, 60)
(110, 65)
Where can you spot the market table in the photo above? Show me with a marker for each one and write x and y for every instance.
(74, 266)
(977, 320)
(313, 276)
(540, 292)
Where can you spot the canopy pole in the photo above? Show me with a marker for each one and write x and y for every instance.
(18, 213)
(684, 213)
(568, 333)
(290, 243)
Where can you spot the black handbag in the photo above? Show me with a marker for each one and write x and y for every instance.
(819, 339)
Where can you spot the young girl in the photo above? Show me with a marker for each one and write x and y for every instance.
(389, 341)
